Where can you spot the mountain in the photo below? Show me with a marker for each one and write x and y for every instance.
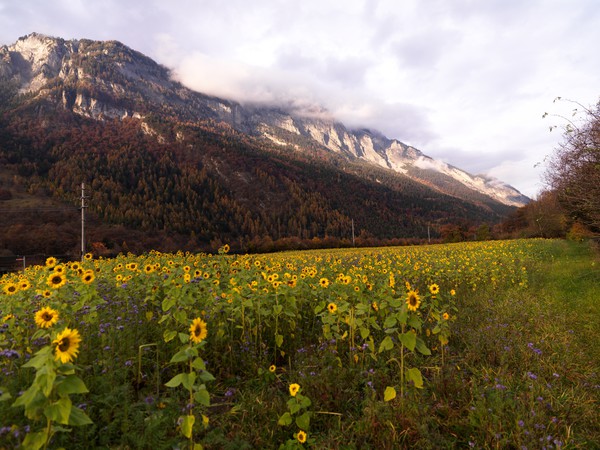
(160, 157)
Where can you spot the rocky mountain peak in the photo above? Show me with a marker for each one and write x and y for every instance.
(110, 80)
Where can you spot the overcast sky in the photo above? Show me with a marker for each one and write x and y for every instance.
(464, 81)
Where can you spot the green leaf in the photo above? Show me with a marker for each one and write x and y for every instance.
(278, 340)
(184, 337)
(31, 396)
(206, 376)
(303, 421)
(422, 347)
(202, 397)
(40, 333)
(181, 317)
(285, 419)
(185, 354)
(78, 417)
(414, 322)
(277, 309)
(44, 379)
(294, 405)
(40, 358)
(303, 400)
(168, 303)
(386, 344)
(364, 332)
(403, 316)
(389, 394)
(187, 424)
(198, 364)
(188, 379)
(34, 441)
(175, 381)
(409, 340)
(415, 376)
(169, 335)
(180, 356)
(72, 384)
(390, 322)
(59, 411)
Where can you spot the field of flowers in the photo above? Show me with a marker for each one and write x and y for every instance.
(338, 348)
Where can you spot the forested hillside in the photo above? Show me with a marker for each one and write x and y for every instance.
(197, 185)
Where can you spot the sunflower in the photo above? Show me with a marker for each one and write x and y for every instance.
(11, 288)
(434, 289)
(272, 368)
(332, 307)
(59, 268)
(24, 285)
(375, 306)
(56, 280)
(88, 256)
(301, 436)
(324, 282)
(51, 262)
(46, 317)
(67, 345)
(413, 301)
(294, 388)
(88, 276)
(149, 268)
(198, 330)
(445, 316)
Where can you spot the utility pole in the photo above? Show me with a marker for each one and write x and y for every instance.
(82, 220)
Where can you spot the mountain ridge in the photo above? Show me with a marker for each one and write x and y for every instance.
(161, 158)
(267, 122)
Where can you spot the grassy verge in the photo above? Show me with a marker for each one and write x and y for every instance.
(530, 360)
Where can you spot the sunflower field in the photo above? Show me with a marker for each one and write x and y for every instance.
(430, 346)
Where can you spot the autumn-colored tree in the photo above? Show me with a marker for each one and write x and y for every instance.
(574, 170)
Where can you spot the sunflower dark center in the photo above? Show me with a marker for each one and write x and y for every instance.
(63, 345)
(47, 317)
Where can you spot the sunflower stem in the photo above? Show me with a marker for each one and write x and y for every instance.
(402, 366)
(48, 433)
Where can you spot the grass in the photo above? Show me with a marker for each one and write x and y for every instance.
(521, 369)
(531, 358)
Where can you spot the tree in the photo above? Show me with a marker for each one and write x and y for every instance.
(574, 170)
